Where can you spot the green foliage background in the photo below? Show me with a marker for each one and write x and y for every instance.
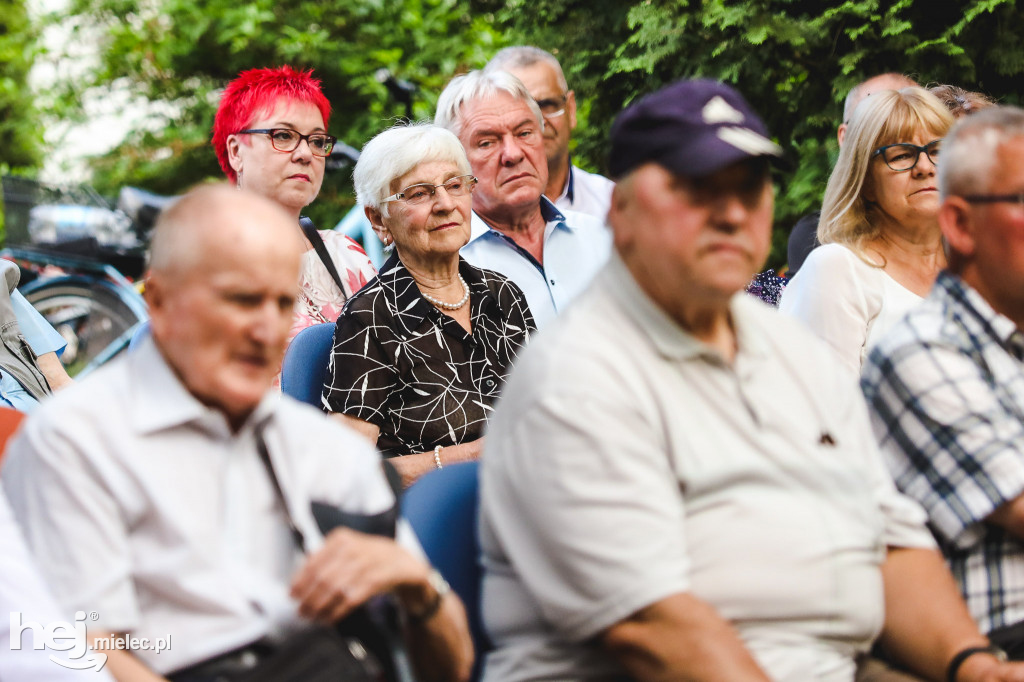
(793, 59)
(183, 51)
(20, 131)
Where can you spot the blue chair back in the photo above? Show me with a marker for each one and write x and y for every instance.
(304, 369)
(442, 508)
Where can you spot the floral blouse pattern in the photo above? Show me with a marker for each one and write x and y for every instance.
(320, 301)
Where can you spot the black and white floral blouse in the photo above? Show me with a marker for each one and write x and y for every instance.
(401, 364)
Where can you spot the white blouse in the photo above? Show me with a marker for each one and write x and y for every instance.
(846, 302)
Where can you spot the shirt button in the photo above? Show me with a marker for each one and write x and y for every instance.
(489, 383)
(552, 282)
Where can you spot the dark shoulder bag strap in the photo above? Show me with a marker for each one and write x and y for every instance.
(309, 229)
(382, 639)
(261, 447)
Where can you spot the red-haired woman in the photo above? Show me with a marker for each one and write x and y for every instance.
(270, 135)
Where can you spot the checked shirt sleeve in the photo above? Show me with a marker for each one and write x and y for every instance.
(952, 443)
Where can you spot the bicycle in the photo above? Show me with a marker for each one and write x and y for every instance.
(79, 257)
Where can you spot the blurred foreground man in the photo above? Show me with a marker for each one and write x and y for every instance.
(569, 186)
(145, 496)
(947, 383)
(678, 482)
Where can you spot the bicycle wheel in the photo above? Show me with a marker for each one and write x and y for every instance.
(89, 314)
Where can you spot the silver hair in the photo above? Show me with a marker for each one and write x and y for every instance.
(523, 56)
(398, 150)
(477, 85)
(970, 148)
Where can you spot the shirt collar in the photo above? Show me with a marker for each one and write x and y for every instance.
(569, 190)
(549, 211)
(999, 327)
(161, 401)
(670, 339)
(478, 227)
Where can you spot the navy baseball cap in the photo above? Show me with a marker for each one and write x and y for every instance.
(692, 128)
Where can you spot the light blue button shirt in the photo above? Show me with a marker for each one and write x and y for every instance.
(37, 331)
(43, 339)
(575, 248)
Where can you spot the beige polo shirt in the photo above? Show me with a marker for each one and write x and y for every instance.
(627, 462)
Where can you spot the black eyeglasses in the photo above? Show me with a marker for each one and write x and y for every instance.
(904, 156)
(287, 140)
(554, 106)
(995, 198)
(417, 194)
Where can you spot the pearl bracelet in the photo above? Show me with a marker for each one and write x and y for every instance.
(437, 456)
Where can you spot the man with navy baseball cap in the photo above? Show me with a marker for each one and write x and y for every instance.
(678, 482)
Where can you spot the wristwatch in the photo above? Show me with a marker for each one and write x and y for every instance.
(954, 665)
(441, 588)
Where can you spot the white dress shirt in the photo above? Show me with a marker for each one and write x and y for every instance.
(23, 591)
(141, 505)
(587, 193)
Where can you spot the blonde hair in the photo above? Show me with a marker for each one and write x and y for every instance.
(884, 118)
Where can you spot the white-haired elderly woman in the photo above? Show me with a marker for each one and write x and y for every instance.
(881, 244)
(422, 351)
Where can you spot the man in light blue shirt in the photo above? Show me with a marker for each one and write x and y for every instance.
(550, 254)
(39, 371)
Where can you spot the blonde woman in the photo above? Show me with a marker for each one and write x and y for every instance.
(881, 245)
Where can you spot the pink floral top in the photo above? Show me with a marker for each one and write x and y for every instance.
(320, 300)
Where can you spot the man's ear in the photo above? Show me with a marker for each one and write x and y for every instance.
(570, 108)
(156, 299)
(956, 220)
(618, 220)
(377, 222)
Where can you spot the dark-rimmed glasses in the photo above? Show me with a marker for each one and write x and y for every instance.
(553, 106)
(904, 156)
(995, 199)
(287, 140)
(417, 194)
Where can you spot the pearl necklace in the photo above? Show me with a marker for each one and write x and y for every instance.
(450, 306)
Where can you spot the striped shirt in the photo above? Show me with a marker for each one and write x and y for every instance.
(946, 385)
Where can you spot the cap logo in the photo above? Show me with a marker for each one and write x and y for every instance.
(717, 110)
(748, 141)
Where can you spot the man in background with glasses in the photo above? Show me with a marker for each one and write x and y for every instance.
(947, 383)
(569, 186)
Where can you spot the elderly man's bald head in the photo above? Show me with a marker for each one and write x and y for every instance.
(864, 89)
(223, 279)
(213, 217)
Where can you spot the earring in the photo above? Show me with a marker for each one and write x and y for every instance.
(238, 180)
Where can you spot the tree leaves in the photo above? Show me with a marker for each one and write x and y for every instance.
(794, 60)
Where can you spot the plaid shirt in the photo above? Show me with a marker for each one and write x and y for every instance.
(947, 390)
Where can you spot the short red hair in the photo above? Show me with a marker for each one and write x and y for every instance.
(256, 91)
